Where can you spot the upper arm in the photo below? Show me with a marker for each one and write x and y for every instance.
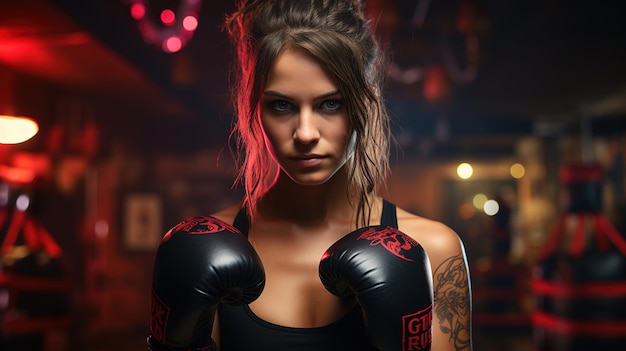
(452, 295)
(451, 286)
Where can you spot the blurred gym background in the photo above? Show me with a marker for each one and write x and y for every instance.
(510, 121)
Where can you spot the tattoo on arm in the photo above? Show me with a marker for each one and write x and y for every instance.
(453, 303)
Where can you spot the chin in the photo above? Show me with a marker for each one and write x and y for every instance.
(309, 181)
(313, 178)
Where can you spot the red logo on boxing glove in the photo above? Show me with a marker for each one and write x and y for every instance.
(417, 333)
(158, 318)
(391, 239)
(200, 225)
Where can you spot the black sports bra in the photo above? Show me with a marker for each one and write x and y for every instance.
(242, 330)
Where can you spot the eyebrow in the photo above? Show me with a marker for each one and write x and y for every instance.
(280, 95)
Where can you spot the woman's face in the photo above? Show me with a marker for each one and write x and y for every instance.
(304, 119)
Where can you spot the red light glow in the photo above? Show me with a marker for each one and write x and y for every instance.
(174, 28)
(17, 175)
(168, 17)
(172, 44)
(190, 23)
(137, 11)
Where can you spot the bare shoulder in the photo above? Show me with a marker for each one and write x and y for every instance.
(438, 240)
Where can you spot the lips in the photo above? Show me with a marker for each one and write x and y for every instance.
(309, 159)
(307, 156)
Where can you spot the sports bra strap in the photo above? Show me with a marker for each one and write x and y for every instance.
(388, 216)
(242, 222)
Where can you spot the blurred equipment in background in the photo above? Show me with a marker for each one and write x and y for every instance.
(500, 286)
(436, 45)
(580, 279)
(35, 293)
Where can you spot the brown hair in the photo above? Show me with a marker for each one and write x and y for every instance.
(336, 33)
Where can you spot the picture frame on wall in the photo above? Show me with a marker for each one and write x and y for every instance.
(143, 221)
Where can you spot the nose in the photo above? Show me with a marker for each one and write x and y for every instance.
(306, 131)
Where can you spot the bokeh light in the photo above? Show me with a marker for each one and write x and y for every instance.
(465, 170)
(479, 200)
(517, 170)
(466, 211)
(190, 23)
(137, 11)
(172, 44)
(491, 207)
(168, 17)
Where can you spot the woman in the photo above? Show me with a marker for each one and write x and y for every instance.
(313, 139)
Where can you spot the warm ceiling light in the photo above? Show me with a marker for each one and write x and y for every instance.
(15, 130)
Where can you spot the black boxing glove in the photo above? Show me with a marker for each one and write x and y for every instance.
(389, 274)
(200, 263)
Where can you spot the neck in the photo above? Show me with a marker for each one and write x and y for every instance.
(308, 205)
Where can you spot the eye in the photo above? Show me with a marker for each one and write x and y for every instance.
(280, 105)
(332, 104)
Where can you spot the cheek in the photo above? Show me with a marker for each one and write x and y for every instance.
(345, 135)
